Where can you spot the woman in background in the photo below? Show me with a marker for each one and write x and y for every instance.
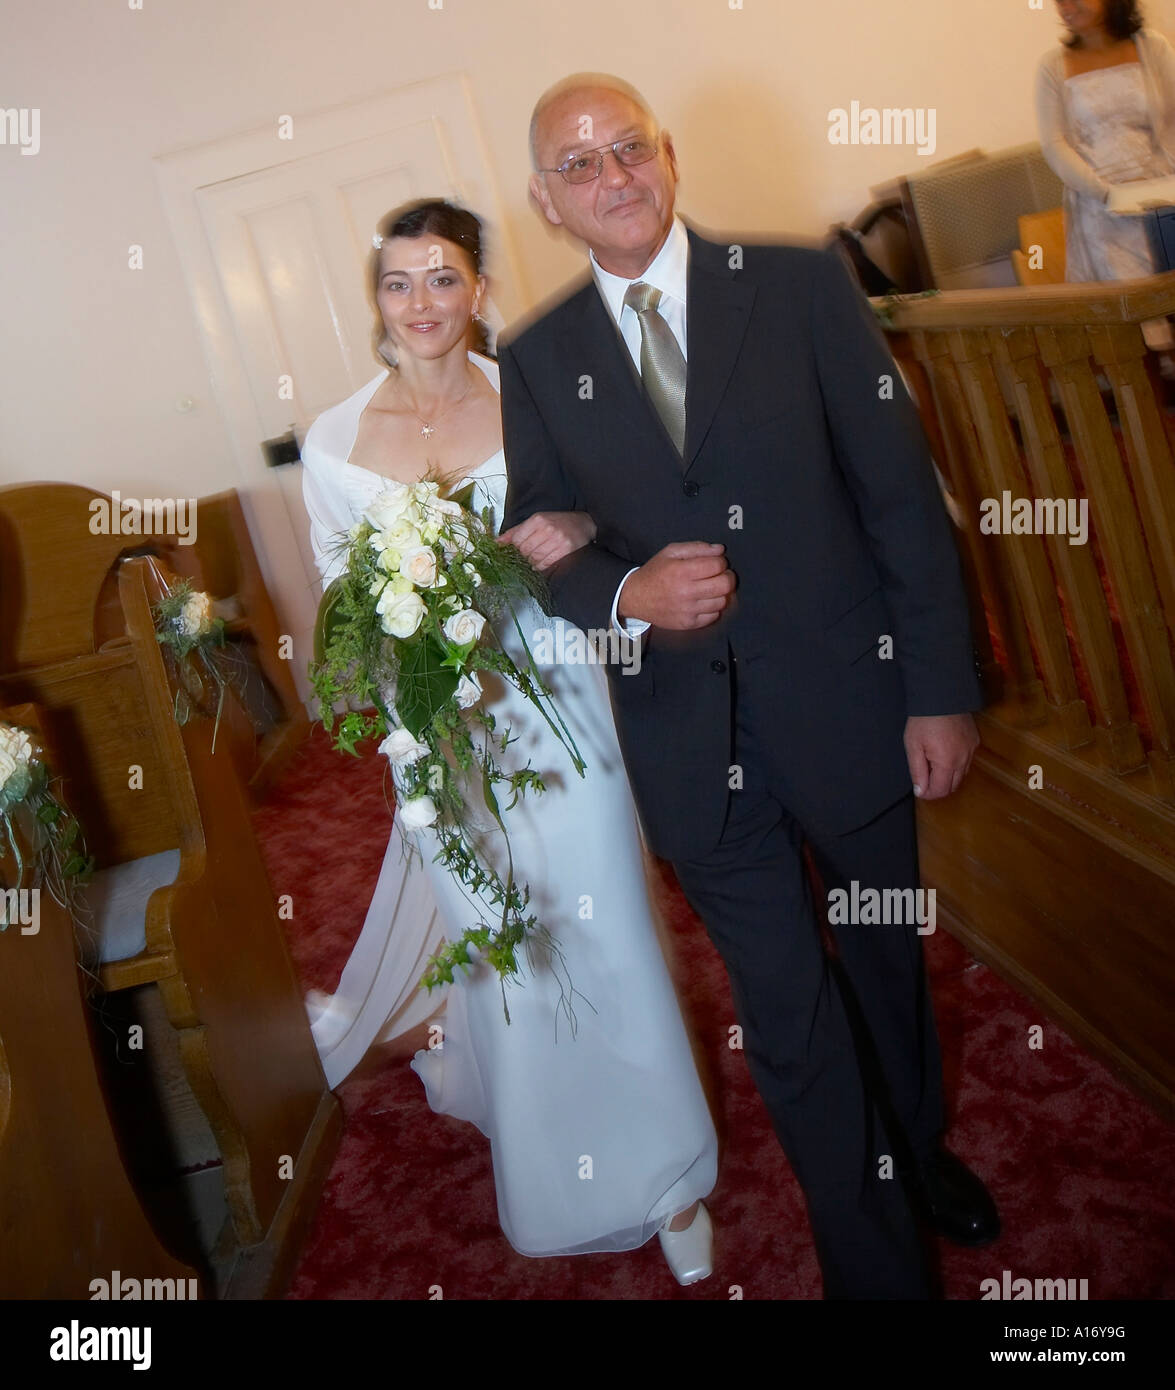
(1105, 103)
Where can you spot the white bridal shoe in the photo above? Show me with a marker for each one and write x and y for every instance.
(689, 1253)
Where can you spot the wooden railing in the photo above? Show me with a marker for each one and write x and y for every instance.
(1053, 396)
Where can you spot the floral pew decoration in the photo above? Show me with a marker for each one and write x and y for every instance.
(192, 637)
(31, 815)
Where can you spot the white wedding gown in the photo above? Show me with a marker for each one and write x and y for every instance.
(596, 1138)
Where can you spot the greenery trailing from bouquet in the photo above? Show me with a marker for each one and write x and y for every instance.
(60, 864)
(404, 631)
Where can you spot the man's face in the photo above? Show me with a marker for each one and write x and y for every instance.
(628, 209)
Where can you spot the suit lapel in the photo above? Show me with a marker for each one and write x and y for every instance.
(718, 309)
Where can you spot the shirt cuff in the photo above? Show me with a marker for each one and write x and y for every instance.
(633, 626)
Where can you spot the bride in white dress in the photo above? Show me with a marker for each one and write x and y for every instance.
(600, 1137)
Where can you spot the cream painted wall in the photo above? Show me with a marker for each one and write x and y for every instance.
(93, 356)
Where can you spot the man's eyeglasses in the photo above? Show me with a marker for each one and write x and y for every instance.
(586, 166)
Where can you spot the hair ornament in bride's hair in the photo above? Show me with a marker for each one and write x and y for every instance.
(377, 241)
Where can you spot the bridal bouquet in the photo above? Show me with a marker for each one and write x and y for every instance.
(406, 629)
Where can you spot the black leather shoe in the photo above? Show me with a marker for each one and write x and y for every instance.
(955, 1201)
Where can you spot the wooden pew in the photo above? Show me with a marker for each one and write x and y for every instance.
(68, 1212)
(211, 942)
(41, 620)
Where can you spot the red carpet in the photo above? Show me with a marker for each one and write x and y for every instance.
(1080, 1168)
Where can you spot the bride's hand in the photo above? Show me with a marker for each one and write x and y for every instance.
(547, 537)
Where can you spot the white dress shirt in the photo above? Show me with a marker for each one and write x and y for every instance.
(667, 273)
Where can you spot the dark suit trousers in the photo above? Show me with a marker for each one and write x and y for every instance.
(848, 1076)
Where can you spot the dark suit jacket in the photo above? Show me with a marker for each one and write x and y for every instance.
(823, 493)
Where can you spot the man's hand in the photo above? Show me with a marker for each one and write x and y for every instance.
(939, 749)
(687, 585)
(546, 537)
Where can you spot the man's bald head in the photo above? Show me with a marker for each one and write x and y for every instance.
(621, 210)
(582, 82)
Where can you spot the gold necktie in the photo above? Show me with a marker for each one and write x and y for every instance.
(662, 365)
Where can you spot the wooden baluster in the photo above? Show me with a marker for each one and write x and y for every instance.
(1035, 585)
(922, 389)
(1120, 350)
(968, 476)
(1066, 352)
(1074, 564)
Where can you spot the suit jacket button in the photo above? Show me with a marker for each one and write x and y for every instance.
(690, 488)
(718, 667)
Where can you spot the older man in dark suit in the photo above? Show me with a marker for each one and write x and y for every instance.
(768, 521)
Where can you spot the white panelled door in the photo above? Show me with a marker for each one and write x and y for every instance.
(274, 235)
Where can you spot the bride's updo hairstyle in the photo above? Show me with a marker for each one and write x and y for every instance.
(1121, 20)
(425, 217)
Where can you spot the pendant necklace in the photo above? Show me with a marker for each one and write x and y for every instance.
(427, 429)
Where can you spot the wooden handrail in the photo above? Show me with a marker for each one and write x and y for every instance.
(1125, 301)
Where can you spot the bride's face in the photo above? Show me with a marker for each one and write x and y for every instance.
(427, 294)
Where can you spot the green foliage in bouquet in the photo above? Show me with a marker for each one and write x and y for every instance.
(402, 634)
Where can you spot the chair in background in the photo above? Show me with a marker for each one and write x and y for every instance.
(962, 215)
(1046, 231)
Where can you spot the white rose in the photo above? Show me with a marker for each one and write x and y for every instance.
(16, 743)
(7, 767)
(401, 747)
(417, 812)
(196, 614)
(420, 566)
(389, 506)
(468, 691)
(464, 627)
(400, 614)
(403, 534)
